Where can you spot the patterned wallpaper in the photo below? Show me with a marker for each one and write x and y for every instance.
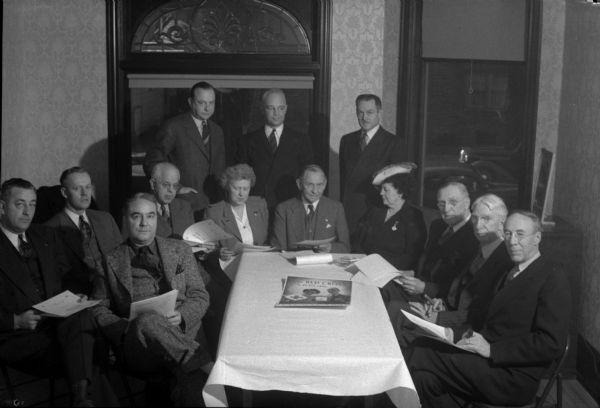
(54, 90)
(578, 161)
(356, 67)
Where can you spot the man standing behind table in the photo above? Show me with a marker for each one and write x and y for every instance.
(143, 267)
(311, 216)
(362, 153)
(32, 263)
(524, 330)
(196, 145)
(276, 152)
(88, 235)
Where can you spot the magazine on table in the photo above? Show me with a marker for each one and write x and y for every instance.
(315, 293)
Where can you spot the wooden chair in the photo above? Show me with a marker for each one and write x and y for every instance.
(539, 402)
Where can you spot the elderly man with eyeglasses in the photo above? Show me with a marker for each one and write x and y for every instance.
(174, 214)
(524, 330)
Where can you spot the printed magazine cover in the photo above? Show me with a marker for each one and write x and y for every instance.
(312, 292)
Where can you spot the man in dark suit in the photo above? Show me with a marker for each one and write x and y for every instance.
(472, 290)
(31, 267)
(174, 214)
(524, 330)
(143, 267)
(362, 153)
(195, 144)
(311, 216)
(451, 245)
(88, 235)
(275, 152)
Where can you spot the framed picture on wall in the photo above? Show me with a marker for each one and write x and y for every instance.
(540, 199)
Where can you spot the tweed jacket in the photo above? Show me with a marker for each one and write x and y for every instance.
(115, 288)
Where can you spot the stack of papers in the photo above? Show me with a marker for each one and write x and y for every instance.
(163, 304)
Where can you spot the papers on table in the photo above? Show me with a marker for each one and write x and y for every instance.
(314, 242)
(257, 248)
(378, 270)
(203, 232)
(307, 257)
(64, 305)
(163, 304)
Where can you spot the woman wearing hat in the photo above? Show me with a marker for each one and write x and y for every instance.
(396, 230)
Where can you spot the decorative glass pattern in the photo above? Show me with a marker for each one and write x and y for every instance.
(221, 26)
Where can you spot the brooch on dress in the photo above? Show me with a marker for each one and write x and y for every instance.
(395, 226)
(327, 225)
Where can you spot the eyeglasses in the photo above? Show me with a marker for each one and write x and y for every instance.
(519, 235)
(165, 185)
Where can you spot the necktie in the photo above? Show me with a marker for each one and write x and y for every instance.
(308, 222)
(84, 227)
(205, 132)
(273, 141)
(477, 263)
(513, 272)
(364, 138)
(447, 233)
(164, 211)
(25, 248)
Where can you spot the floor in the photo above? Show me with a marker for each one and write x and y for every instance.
(35, 392)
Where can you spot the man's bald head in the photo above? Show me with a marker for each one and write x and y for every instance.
(165, 182)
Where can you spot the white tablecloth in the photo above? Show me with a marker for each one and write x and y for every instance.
(350, 351)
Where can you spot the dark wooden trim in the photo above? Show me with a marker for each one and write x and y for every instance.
(409, 77)
(120, 62)
(532, 74)
(411, 87)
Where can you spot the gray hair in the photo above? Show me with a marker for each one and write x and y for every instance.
(494, 203)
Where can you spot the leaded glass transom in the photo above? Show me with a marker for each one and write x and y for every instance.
(221, 26)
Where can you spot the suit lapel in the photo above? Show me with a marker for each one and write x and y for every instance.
(512, 289)
(169, 258)
(322, 219)
(13, 268)
(298, 215)
(120, 264)
(71, 234)
(229, 220)
(46, 258)
(194, 135)
(252, 218)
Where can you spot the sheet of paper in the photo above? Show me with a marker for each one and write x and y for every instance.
(314, 259)
(377, 269)
(64, 305)
(315, 242)
(257, 248)
(205, 231)
(292, 255)
(435, 331)
(163, 304)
